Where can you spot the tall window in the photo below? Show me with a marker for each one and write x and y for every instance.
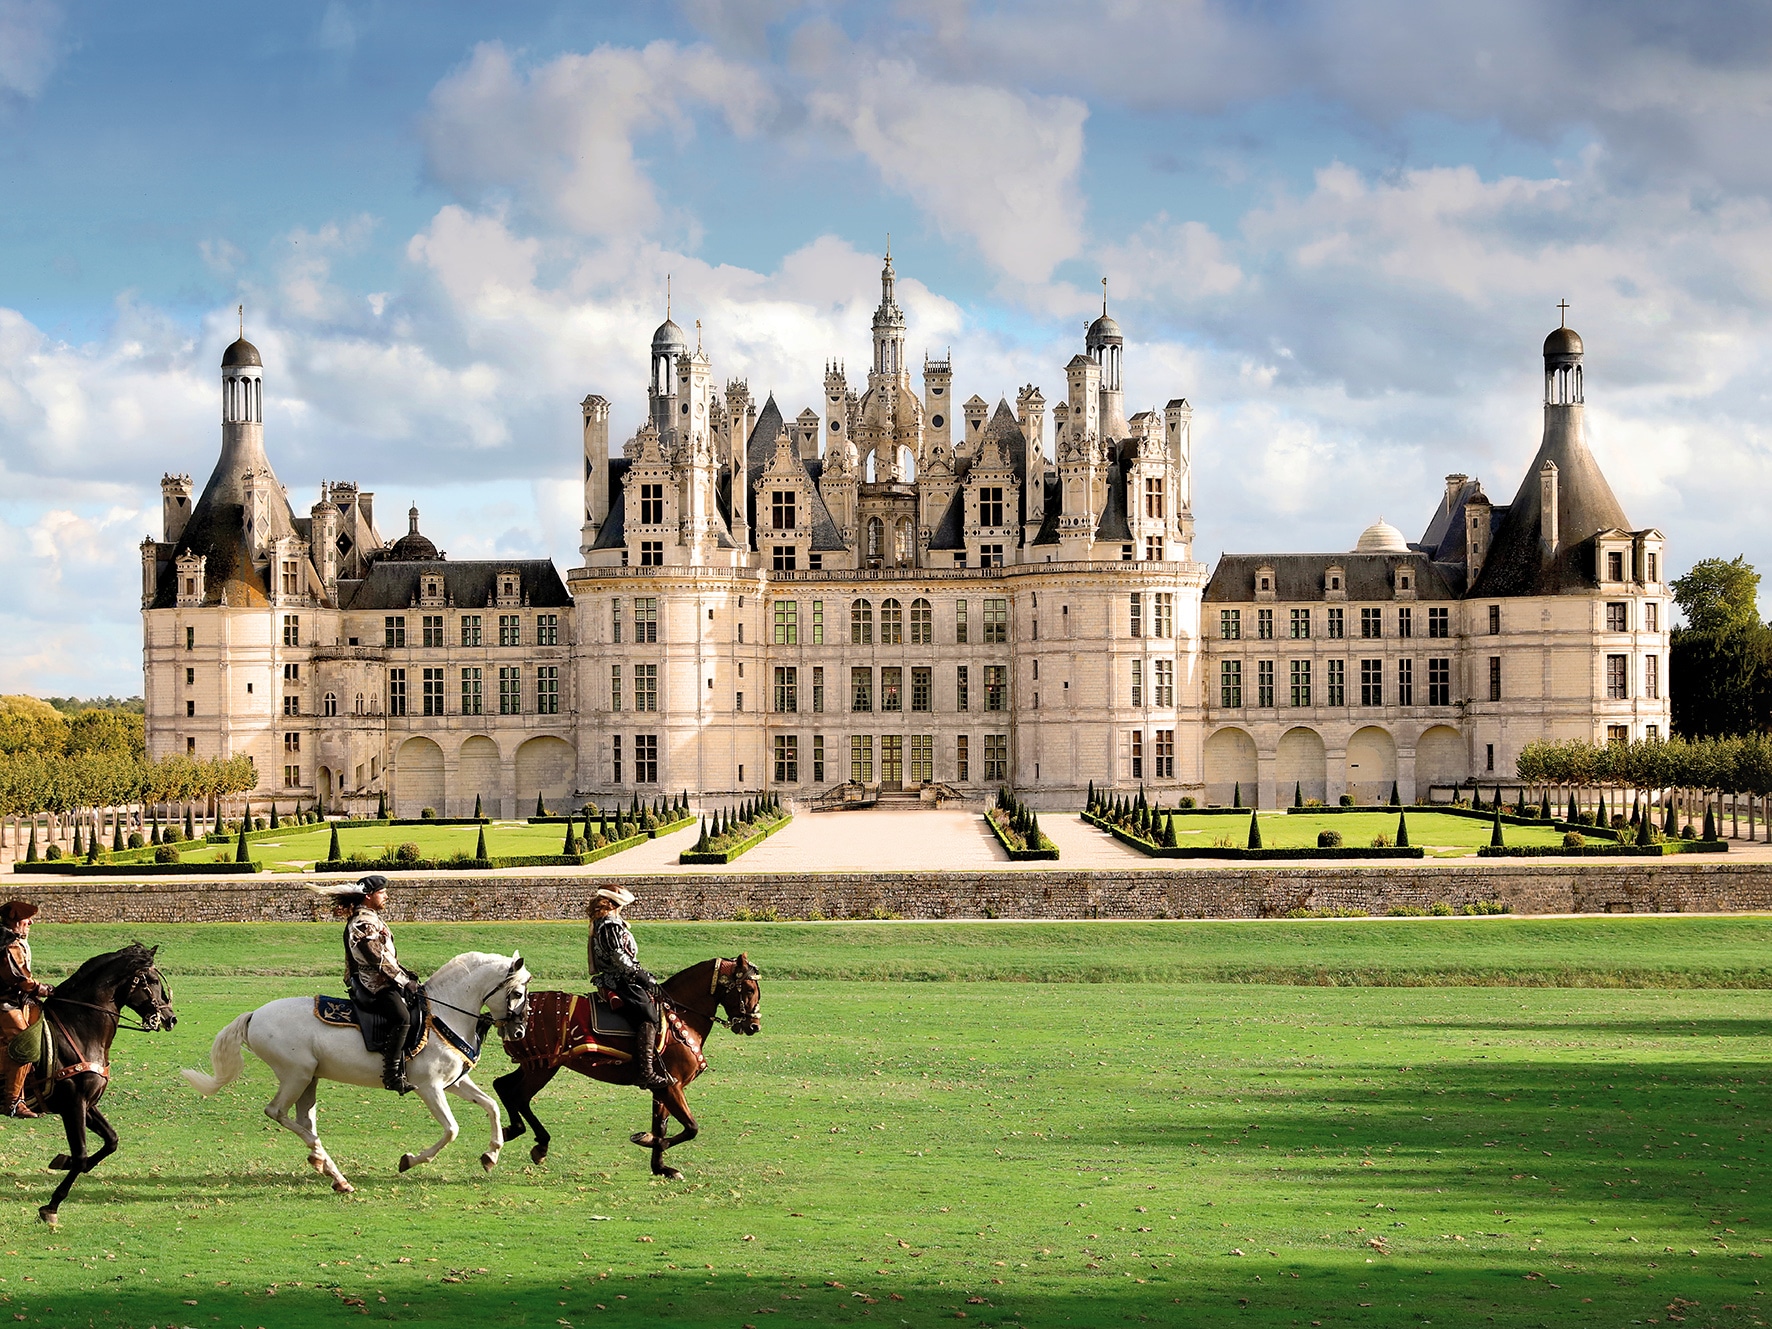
(1301, 624)
(1405, 621)
(1165, 754)
(1138, 682)
(861, 758)
(472, 700)
(861, 689)
(787, 623)
(818, 759)
(1651, 617)
(433, 686)
(1337, 624)
(781, 510)
(1372, 682)
(646, 687)
(547, 629)
(1264, 682)
(996, 687)
(891, 623)
(861, 623)
(615, 687)
(787, 689)
(1153, 548)
(891, 688)
(990, 506)
(615, 620)
(1617, 677)
(396, 692)
(1439, 681)
(1164, 679)
(922, 758)
(292, 776)
(922, 623)
(1335, 682)
(962, 688)
(1652, 576)
(1494, 620)
(1153, 497)
(652, 505)
(1135, 614)
(646, 618)
(787, 759)
(510, 690)
(1301, 682)
(510, 630)
(651, 556)
(291, 586)
(818, 622)
(996, 758)
(433, 631)
(1614, 566)
(291, 705)
(1652, 677)
(922, 689)
(962, 759)
(1494, 678)
(329, 704)
(1405, 682)
(818, 689)
(960, 622)
(1439, 623)
(470, 629)
(1162, 614)
(615, 754)
(547, 690)
(1264, 624)
(1371, 624)
(1616, 619)
(1137, 753)
(996, 621)
(292, 629)
(1230, 624)
(646, 758)
(1230, 683)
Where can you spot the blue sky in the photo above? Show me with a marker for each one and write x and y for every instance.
(1340, 231)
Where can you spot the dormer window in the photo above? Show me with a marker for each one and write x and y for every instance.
(1266, 584)
(1335, 583)
(1614, 565)
(781, 510)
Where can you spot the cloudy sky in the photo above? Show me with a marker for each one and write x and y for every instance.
(1341, 231)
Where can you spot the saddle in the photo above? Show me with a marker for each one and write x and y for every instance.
(564, 1026)
(345, 1013)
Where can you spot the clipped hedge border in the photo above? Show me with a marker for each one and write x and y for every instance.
(1150, 850)
(1605, 850)
(81, 868)
(1022, 855)
(717, 856)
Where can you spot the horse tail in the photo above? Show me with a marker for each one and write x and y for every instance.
(224, 1058)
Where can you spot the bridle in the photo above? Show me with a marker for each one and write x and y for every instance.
(515, 1010)
(721, 988)
(145, 1024)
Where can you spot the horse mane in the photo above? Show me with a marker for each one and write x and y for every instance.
(456, 966)
(93, 973)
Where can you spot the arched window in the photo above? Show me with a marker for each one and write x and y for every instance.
(907, 465)
(903, 545)
(922, 623)
(861, 623)
(329, 705)
(876, 536)
(359, 703)
(891, 623)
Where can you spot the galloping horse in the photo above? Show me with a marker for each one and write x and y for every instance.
(81, 1018)
(555, 1039)
(302, 1050)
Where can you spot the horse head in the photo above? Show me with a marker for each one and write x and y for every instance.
(143, 989)
(738, 992)
(509, 1002)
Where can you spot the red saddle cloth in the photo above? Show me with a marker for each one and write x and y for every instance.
(567, 1025)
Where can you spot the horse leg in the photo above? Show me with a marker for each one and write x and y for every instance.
(518, 1090)
(506, 1085)
(74, 1124)
(473, 1093)
(300, 1091)
(676, 1102)
(106, 1132)
(431, 1094)
(654, 1140)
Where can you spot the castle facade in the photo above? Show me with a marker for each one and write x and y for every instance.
(897, 593)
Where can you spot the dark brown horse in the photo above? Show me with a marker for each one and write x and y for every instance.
(81, 1017)
(559, 1036)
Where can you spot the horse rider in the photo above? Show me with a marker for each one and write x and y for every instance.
(377, 980)
(20, 1001)
(615, 967)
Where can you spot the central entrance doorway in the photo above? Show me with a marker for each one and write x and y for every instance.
(891, 761)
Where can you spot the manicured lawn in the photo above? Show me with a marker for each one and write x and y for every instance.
(1021, 1153)
(304, 845)
(1431, 830)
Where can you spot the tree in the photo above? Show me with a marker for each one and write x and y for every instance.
(1495, 839)
(1254, 829)
(477, 812)
(242, 853)
(479, 845)
(1402, 828)
(333, 854)
(1718, 595)
(1237, 794)
(1298, 794)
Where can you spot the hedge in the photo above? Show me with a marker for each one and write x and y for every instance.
(482, 864)
(67, 867)
(1605, 850)
(1214, 851)
(742, 847)
(1021, 855)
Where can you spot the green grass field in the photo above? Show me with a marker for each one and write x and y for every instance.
(1435, 831)
(300, 847)
(1153, 1145)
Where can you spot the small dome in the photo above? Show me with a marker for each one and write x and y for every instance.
(1562, 342)
(413, 547)
(669, 337)
(1104, 331)
(1381, 538)
(241, 352)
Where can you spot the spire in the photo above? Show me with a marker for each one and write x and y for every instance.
(1104, 297)
(412, 520)
(242, 311)
(667, 297)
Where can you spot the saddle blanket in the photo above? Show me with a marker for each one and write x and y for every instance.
(344, 1013)
(564, 1025)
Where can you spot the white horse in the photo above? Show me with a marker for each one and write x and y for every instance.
(302, 1050)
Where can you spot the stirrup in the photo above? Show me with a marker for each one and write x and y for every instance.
(20, 1110)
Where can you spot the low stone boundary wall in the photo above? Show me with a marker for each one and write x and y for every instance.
(1572, 887)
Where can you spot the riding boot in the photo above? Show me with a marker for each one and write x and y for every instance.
(393, 1064)
(648, 1073)
(12, 1089)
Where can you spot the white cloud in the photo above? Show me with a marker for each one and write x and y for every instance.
(30, 45)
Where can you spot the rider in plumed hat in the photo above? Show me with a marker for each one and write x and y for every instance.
(615, 966)
(20, 998)
(377, 980)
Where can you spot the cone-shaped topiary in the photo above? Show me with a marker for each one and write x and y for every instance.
(1495, 840)
(333, 854)
(80, 844)
(567, 847)
(1141, 805)
(1710, 822)
(242, 852)
(1298, 794)
(1237, 795)
(1396, 796)
(541, 809)
(1670, 826)
(1254, 830)
(1089, 802)
(635, 809)
(1402, 828)
(31, 849)
(1636, 811)
(92, 846)
(117, 833)
(1544, 812)
(275, 824)
(381, 806)
(1645, 833)
(480, 846)
(477, 812)
(1570, 816)
(701, 845)
(1601, 819)
(1169, 831)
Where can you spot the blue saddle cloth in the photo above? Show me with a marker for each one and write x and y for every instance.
(344, 1012)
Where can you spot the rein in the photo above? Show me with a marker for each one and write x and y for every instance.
(713, 1013)
(140, 1027)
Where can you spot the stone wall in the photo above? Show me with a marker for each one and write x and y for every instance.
(1253, 892)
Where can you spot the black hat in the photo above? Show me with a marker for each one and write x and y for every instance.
(372, 883)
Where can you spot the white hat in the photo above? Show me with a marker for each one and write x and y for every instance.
(620, 894)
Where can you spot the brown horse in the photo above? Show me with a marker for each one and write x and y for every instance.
(559, 1035)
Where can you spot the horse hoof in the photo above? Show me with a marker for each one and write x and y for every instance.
(538, 1153)
(407, 1162)
(49, 1216)
(670, 1174)
(344, 1188)
(60, 1163)
(644, 1139)
(489, 1160)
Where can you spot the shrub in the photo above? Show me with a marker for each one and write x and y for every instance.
(55, 850)
(743, 915)
(1187, 801)
(1408, 911)
(166, 854)
(1381, 841)
(258, 824)
(578, 845)
(1440, 909)
(881, 912)
(406, 853)
(1619, 821)
(1347, 800)
(224, 855)
(1573, 839)
(1328, 839)
(135, 840)
(1313, 802)
(428, 814)
(1686, 833)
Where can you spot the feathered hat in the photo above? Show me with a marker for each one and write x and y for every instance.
(348, 892)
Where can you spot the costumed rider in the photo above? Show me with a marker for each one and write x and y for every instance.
(377, 980)
(615, 967)
(20, 998)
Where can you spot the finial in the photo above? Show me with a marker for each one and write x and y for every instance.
(1564, 306)
(241, 309)
(667, 297)
(698, 336)
(889, 246)
(1104, 297)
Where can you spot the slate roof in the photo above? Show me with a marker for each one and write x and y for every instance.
(950, 531)
(611, 535)
(1113, 527)
(1302, 577)
(393, 584)
(759, 449)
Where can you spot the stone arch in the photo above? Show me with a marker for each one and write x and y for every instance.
(323, 777)
(418, 777)
(546, 766)
(1371, 765)
(1299, 762)
(876, 546)
(907, 465)
(1230, 761)
(904, 542)
(1441, 757)
(479, 774)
